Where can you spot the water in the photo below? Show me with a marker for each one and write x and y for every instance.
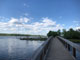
(12, 48)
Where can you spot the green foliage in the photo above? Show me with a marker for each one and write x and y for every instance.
(49, 33)
(64, 33)
(59, 32)
(70, 34)
(5, 34)
(54, 33)
(75, 40)
(41, 39)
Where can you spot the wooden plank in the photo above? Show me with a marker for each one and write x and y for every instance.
(57, 51)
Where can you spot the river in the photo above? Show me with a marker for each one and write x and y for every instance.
(12, 48)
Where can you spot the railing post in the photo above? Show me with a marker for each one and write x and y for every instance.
(68, 46)
(41, 56)
(65, 44)
(74, 52)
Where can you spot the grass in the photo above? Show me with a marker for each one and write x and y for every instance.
(75, 40)
(15, 34)
(43, 39)
(7, 34)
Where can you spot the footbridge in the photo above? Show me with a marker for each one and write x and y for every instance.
(56, 49)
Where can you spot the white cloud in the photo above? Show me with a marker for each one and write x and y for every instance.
(14, 21)
(76, 24)
(18, 22)
(77, 27)
(48, 22)
(21, 25)
(24, 20)
(13, 24)
(44, 26)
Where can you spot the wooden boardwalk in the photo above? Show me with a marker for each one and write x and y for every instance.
(57, 51)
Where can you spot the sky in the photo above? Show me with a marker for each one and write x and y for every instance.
(38, 16)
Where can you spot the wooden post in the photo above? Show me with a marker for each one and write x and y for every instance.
(65, 44)
(74, 52)
(41, 57)
(68, 46)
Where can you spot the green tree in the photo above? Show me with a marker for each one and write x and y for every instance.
(64, 33)
(59, 32)
(70, 34)
(49, 33)
(52, 33)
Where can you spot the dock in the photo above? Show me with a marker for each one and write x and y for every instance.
(56, 48)
(57, 51)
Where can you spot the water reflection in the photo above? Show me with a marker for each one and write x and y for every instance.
(12, 48)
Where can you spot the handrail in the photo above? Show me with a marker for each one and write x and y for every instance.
(69, 43)
(41, 51)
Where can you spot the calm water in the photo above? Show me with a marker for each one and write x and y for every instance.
(12, 48)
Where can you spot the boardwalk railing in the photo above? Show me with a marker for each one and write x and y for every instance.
(40, 53)
(69, 44)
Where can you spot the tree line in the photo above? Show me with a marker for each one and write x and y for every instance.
(70, 34)
(6, 34)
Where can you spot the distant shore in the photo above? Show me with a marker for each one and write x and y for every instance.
(3, 34)
(33, 38)
(6, 34)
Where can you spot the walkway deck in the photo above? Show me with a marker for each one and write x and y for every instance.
(57, 51)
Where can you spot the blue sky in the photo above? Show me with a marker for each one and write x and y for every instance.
(40, 16)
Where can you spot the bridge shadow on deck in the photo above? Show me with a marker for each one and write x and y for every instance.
(57, 51)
